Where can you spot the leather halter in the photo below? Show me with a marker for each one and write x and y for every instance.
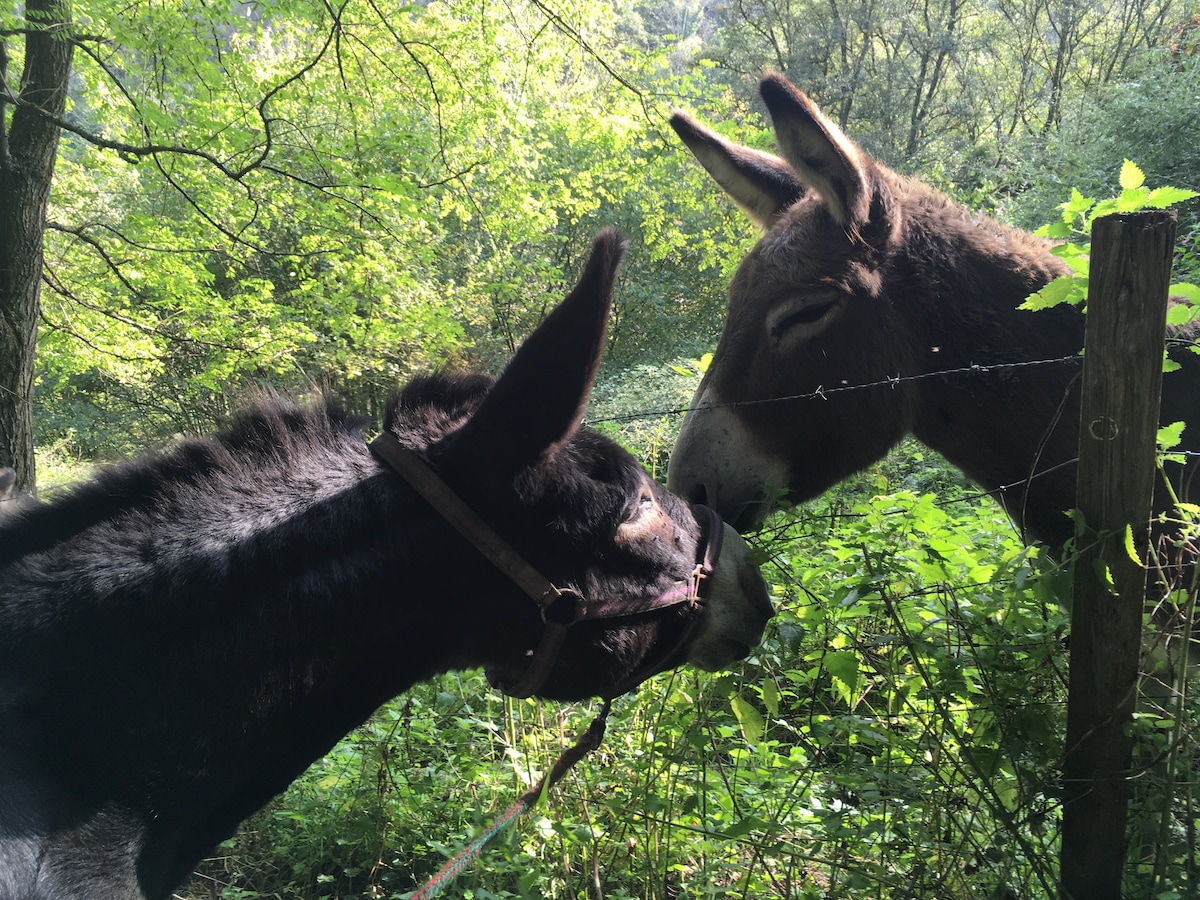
(560, 608)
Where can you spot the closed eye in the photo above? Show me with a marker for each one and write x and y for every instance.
(644, 504)
(805, 315)
(643, 519)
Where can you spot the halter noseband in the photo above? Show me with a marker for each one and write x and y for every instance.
(560, 608)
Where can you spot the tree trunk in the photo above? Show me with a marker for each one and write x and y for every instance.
(28, 151)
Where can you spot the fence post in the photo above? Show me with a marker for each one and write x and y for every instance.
(1122, 378)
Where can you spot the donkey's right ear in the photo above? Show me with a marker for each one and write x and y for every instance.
(761, 184)
(818, 151)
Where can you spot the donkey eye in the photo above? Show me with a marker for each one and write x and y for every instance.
(804, 315)
(639, 516)
(643, 505)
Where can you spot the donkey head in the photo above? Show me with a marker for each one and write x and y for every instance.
(811, 310)
(581, 511)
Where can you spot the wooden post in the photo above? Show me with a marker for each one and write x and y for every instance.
(1122, 379)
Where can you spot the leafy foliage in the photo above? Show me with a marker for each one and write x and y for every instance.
(261, 210)
(1078, 214)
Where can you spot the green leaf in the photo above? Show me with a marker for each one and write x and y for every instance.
(694, 367)
(770, 695)
(1104, 573)
(1161, 198)
(843, 665)
(1129, 548)
(743, 827)
(749, 718)
(1133, 199)
(1063, 289)
(1189, 292)
(1055, 230)
(1080, 263)
(1170, 435)
(1179, 314)
(1131, 176)
(1076, 206)
(1104, 208)
(1077, 256)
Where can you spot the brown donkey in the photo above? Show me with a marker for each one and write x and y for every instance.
(867, 277)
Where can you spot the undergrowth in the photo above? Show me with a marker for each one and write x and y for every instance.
(898, 734)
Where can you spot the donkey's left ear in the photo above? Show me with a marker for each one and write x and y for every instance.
(538, 403)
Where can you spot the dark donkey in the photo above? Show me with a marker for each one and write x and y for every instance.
(866, 277)
(181, 637)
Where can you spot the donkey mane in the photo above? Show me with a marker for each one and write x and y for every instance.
(271, 432)
(950, 222)
(431, 406)
(268, 432)
(937, 230)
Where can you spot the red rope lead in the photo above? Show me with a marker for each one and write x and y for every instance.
(587, 742)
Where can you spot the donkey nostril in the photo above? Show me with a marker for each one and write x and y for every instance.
(696, 494)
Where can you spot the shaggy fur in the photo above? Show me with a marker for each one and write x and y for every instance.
(185, 634)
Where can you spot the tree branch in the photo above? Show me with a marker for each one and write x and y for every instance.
(586, 47)
(152, 149)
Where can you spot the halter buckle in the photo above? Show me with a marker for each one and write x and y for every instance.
(562, 606)
(696, 579)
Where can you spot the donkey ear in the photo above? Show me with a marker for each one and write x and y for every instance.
(819, 152)
(538, 402)
(761, 184)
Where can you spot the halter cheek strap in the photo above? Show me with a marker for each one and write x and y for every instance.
(560, 608)
(413, 468)
(712, 531)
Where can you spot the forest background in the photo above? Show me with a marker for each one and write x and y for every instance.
(316, 197)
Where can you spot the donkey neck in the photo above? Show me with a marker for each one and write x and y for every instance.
(1006, 413)
(248, 618)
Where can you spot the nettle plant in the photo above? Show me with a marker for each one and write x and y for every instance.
(1074, 230)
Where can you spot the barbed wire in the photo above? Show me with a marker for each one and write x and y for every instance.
(893, 381)
(823, 393)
